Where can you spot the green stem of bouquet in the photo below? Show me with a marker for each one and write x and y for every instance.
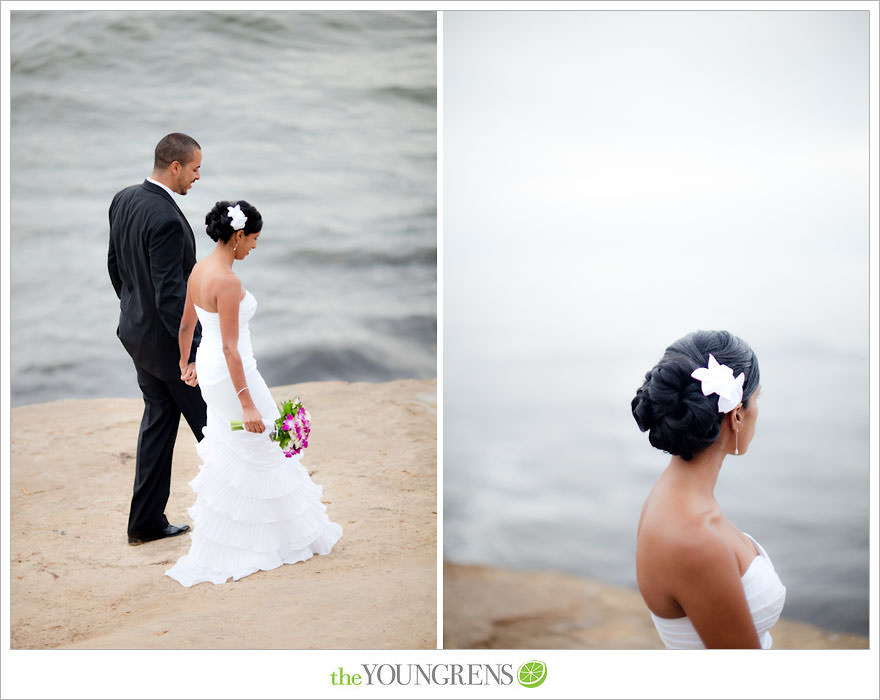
(236, 425)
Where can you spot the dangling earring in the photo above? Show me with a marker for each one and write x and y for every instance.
(736, 448)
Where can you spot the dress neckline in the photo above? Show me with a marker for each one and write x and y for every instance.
(201, 308)
(759, 555)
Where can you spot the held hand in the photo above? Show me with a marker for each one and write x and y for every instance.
(253, 421)
(188, 374)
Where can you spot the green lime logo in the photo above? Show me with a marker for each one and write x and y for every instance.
(531, 674)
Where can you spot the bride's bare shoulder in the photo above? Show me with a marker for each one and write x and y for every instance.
(210, 282)
(686, 544)
(227, 288)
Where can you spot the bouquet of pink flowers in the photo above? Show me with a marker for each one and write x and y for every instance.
(292, 427)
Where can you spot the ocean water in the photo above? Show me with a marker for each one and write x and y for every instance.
(613, 181)
(325, 121)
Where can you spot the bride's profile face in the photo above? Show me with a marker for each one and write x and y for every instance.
(247, 243)
(750, 416)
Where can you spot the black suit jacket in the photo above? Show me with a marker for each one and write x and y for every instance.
(152, 251)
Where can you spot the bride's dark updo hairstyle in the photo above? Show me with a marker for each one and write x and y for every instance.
(218, 223)
(670, 404)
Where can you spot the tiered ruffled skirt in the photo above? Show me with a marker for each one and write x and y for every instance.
(255, 509)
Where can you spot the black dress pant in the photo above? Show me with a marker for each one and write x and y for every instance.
(164, 402)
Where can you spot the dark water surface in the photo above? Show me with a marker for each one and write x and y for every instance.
(325, 121)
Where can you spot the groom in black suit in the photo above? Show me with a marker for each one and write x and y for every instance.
(152, 251)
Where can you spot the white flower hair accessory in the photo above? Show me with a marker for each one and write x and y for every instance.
(718, 379)
(238, 218)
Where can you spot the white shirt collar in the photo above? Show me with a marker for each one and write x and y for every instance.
(164, 187)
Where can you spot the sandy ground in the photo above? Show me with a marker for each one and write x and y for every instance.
(76, 583)
(486, 608)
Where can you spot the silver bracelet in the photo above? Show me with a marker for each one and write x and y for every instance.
(241, 390)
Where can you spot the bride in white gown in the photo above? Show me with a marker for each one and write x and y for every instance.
(255, 508)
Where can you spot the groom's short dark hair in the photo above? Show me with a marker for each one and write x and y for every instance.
(173, 147)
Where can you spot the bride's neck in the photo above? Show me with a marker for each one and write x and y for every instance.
(700, 474)
(225, 253)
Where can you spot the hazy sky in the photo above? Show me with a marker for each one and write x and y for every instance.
(618, 155)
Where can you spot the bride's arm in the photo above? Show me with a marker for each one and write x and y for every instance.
(228, 301)
(184, 339)
(709, 589)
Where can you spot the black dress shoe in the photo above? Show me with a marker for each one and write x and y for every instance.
(168, 531)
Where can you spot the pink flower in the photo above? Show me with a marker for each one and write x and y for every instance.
(292, 427)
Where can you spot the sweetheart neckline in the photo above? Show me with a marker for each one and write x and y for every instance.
(759, 555)
(246, 292)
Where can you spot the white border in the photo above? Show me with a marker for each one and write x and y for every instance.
(5, 450)
(440, 334)
(874, 328)
(582, 674)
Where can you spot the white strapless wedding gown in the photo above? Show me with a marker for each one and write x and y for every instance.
(255, 509)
